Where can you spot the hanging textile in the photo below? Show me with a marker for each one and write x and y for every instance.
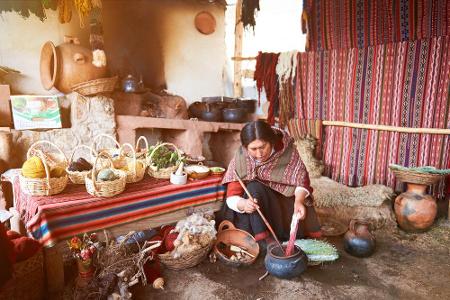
(398, 84)
(332, 24)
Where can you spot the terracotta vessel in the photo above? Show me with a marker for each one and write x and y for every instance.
(414, 209)
(227, 234)
(358, 241)
(67, 64)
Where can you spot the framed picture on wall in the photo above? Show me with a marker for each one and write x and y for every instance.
(34, 112)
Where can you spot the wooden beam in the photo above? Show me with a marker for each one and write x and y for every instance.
(387, 128)
(238, 33)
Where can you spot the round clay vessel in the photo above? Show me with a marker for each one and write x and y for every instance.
(281, 266)
(415, 210)
(68, 64)
(358, 241)
(227, 234)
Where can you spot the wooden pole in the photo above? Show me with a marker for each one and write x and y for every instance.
(387, 128)
(238, 32)
(258, 210)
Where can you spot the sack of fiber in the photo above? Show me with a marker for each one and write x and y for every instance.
(43, 173)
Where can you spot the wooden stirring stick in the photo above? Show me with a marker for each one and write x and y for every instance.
(258, 210)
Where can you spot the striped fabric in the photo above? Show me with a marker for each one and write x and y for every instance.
(54, 218)
(343, 24)
(400, 84)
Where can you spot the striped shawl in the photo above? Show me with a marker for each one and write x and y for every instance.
(282, 172)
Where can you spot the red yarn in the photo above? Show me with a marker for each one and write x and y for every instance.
(152, 270)
(266, 77)
(25, 247)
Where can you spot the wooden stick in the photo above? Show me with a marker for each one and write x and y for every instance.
(387, 128)
(258, 210)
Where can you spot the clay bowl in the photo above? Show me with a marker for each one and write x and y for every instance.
(197, 171)
(234, 115)
(227, 234)
(217, 171)
(196, 109)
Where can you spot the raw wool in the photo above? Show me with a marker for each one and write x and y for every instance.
(285, 70)
(286, 66)
(194, 232)
(378, 217)
(329, 193)
(306, 148)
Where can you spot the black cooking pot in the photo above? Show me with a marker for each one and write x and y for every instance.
(195, 109)
(248, 104)
(234, 115)
(211, 114)
(285, 267)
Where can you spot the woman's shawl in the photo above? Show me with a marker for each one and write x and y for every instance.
(283, 171)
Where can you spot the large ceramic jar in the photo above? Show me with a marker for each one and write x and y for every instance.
(415, 210)
(67, 64)
(358, 241)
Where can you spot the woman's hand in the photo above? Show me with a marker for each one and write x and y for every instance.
(247, 206)
(300, 208)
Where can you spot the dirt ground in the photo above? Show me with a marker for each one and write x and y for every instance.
(404, 266)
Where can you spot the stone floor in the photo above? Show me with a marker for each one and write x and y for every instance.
(404, 266)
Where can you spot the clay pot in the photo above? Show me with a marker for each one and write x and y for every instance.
(227, 234)
(281, 266)
(248, 104)
(234, 115)
(196, 109)
(358, 241)
(415, 210)
(211, 115)
(68, 64)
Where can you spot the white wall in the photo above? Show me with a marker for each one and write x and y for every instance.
(157, 39)
(20, 46)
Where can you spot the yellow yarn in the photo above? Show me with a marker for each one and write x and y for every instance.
(139, 166)
(57, 172)
(33, 168)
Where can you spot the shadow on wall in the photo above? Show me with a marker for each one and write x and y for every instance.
(133, 40)
(24, 9)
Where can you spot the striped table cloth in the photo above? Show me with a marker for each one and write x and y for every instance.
(54, 218)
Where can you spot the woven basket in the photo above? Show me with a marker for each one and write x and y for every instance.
(27, 280)
(78, 177)
(163, 173)
(96, 86)
(142, 154)
(186, 261)
(49, 185)
(112, 152)
(105, 188)
(416, 177)
(135, 174)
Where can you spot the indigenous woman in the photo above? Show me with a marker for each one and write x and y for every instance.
(270, 165)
